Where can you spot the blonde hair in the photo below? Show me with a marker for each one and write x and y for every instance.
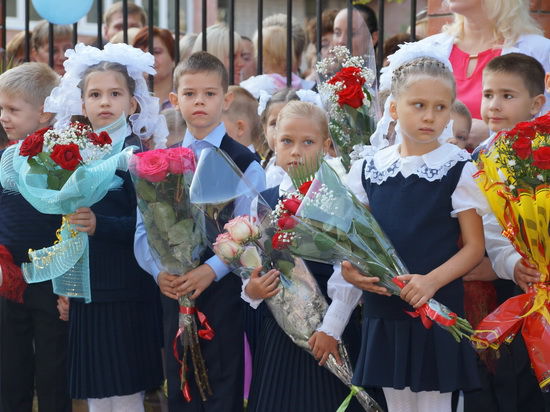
(298, 109)
(245, 105)
(510, 19)
(186, 45)
(217, 41)
(274, 42)
(41, 34)
(117, 8)
(418, 68)
(15, 49)
(119, 37)
(31, 81)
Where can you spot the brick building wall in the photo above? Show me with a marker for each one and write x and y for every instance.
(438, 15)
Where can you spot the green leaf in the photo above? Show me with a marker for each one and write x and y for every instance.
(323, 242)
(285, 267)
(53, 181)
(36, 168)
(146, 191)
(63, 175)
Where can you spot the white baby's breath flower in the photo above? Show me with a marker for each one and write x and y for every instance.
(512, 187)
(511, 162)
(540, 177)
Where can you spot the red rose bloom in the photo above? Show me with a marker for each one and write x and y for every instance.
(522, 147)
(66, 155)
(305, 187)
(286, 223)
(34, 143)
(100, 140)
(524, 129)
(541, 158)
(542, 124)
(352, 91)
(280, 241)
(291, 205)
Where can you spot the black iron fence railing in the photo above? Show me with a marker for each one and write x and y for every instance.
(231, 25)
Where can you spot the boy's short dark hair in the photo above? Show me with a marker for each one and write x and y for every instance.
(201, 62)
(526, 67)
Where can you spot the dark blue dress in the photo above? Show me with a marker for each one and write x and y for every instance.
(396, 350)
(115, 341)
(285, 378)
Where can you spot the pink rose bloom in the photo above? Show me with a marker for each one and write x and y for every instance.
(241, 229)
(180, 160)
(152, 165)
(226, 248)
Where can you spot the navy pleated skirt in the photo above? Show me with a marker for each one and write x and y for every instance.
(114, 348)
(286, 378)
(403, 353)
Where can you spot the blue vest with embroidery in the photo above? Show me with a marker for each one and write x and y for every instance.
(415, 215)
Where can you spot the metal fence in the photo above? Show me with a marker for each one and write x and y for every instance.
(230, 23)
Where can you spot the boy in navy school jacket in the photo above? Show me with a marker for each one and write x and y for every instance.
(201, 85)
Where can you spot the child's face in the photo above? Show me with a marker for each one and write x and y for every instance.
(506, 101)
(423, 109)
(461, 129)
(298, 140)
(271, 123)
(106, 98)
(20, 118)
(201, 100)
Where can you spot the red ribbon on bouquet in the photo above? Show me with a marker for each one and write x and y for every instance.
(427, 314)
(529, 312)
(12, 284)
(206, 333)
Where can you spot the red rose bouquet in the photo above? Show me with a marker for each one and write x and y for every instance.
(174, 232)
(239, 232)
(58, 171)
(324, 222)
(514, 175)
(347, 88)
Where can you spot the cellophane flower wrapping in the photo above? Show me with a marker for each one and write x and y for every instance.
(240, 230)
(323, 221)
(514, 175)
(58, 171)
(162, 179)
(347, 88)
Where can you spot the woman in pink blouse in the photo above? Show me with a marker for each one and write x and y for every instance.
(483, 30)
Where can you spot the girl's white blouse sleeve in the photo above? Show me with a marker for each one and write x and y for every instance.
(467, 194)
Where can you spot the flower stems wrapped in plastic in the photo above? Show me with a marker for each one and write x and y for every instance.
(58, 171)
(328, 224)
(514, 176)
(174, 232)
(245, 242)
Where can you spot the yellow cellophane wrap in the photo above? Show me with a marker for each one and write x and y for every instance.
(525, 218)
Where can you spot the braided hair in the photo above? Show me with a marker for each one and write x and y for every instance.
(419, 67)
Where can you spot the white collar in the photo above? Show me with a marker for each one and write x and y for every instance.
(215, 137)
(431, 166)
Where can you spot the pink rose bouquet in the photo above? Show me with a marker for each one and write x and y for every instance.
(174, 228)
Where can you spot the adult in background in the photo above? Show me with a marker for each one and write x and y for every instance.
(40, 50)
(361, 41)
(163, 50)
(481, 31)
(114, 20)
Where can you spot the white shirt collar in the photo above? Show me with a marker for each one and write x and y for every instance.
(435, 159)
(214, 137)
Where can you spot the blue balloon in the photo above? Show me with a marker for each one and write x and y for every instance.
(62, 11)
